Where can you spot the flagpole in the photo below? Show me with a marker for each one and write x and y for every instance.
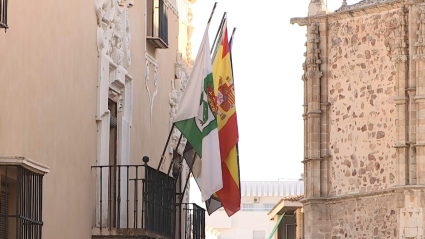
(188, 177)
(233, 33)
(165, 147)
(218, 31)
(177, 150)
(212, 13)
(168, 140)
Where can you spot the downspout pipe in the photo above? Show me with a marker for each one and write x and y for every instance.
(277, 225)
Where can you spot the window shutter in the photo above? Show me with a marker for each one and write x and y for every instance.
(163, 21)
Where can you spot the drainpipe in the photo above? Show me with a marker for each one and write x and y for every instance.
(277, 225)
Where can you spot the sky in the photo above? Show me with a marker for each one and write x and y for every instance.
(268, 53)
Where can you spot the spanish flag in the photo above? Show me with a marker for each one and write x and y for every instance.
(229, 195)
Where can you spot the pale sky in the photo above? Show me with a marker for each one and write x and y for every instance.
(267, 61)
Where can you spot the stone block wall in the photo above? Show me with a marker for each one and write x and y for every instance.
(361, 91)
(372, 217)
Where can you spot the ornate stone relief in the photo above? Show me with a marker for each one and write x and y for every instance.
(113, 30)
(400, 48)
(420, 44)
(312, 64)
(152, 93)
(178, 87)
(411, 216)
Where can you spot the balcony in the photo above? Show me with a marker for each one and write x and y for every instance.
(21, 194)
(138, 201)
(192, 222)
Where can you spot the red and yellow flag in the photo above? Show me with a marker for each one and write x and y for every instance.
(228, 135)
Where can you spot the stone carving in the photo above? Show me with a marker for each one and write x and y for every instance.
(178, 87)
(312, 64)
(189, 36)
(411, 223)
(301, 21)
(400, 48)
(420, 44)
(113, 30)
(362, 4)
(151, 62)
(121, 100)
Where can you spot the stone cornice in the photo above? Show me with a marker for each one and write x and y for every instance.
(25, 162)
(355, 10)
(329, 200)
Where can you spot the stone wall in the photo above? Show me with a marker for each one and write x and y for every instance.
(361, 90)
(392, 214)
(374, 217)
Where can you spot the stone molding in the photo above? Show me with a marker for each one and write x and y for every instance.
(114, 82)
(150, 61)
(27, 163)
(394, 189)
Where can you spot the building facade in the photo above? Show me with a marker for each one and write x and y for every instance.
(364, 120)
(89, 89)
(258, 199)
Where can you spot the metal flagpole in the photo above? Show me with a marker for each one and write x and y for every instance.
(188, 176)
(212, 13)
(171, 131)
(218, 31)
(177, 150)
(233, 33)
(165, 147)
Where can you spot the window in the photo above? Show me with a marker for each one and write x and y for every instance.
(258, 234)
(157, 23)
(247, 207)
(268, 206)
(20, 202)
(3, 14)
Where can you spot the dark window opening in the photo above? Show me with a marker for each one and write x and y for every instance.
(113, 136)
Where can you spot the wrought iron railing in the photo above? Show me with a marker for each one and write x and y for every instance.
(20, 203)
(193, 221)
(3, 13)
(135, 197)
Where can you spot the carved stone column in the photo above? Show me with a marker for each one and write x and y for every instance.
(400, 57)
(420, 95)
(317, 224)
(413, 38)
(313, 75)
(324, 108)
